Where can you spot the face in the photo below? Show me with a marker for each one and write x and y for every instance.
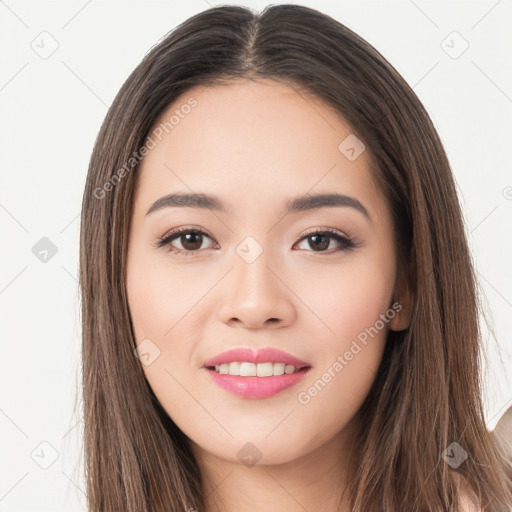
(248, 272)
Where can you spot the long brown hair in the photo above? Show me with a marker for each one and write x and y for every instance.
(427, 393)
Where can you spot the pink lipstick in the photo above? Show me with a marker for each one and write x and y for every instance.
(256, 375)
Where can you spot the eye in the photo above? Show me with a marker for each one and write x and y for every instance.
(320, 240)
(190, 239)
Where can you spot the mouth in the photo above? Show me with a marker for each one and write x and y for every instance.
(247, 359)
(256, 375)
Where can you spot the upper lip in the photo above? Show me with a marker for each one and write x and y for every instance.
(264, 355)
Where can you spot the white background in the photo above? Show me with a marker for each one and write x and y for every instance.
(51, 110)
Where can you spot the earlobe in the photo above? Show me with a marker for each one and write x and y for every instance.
(402, 318)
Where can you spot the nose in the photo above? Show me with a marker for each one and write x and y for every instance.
(256, 295)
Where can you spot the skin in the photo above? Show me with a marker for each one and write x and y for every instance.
(255, 145)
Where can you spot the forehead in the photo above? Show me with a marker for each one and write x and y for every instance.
(256, 142)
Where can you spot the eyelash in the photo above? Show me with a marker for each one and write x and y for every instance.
(345, 242)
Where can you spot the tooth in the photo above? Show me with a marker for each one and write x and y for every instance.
(234, 368)
(264, 369)
(247, 370)
(289, 368)
(278, 368)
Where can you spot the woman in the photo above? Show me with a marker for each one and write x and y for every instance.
(279, 304)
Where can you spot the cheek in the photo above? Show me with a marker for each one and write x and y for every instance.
(164, 304)
(344, 299)
(161, 296)
(170, 306)
(338, 385)
(352, 314)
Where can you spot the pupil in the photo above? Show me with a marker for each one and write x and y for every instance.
(187, 236)
(323, 245)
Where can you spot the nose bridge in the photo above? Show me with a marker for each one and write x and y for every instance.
(254, 293)
(251, 270)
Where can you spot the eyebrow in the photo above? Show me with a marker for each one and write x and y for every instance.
(299, 204)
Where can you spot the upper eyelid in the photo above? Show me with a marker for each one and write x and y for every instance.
(175, 233)
(331, 231)
(187, 229)
(181, 230)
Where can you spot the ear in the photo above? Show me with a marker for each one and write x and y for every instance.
(404, 297)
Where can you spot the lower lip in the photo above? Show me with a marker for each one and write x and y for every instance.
(256, 387)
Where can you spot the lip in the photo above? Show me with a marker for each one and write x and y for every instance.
(264, 355)
(256, 387)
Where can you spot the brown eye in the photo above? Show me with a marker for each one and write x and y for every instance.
(190, 240)
(320, 241)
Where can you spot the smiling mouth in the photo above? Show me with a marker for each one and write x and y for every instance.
(246, 369)
(256, 380)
